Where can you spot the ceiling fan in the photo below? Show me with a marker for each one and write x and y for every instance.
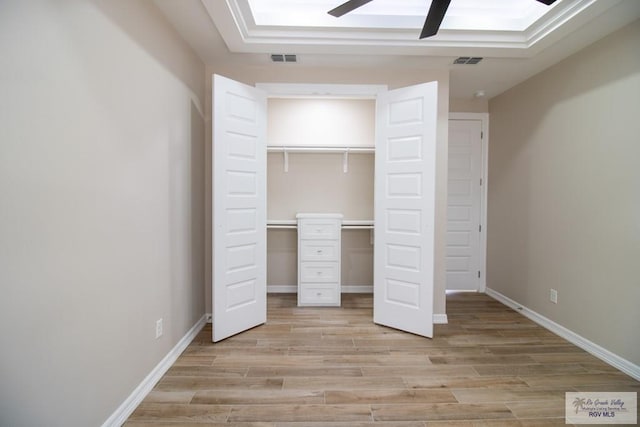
(431, 24)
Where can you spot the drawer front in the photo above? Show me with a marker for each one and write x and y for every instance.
(319, 294)
(324, 250)
(319, 229)
(319, 272)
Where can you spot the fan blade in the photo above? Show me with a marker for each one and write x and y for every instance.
(347, 7)
(547, 2)
(434, 18)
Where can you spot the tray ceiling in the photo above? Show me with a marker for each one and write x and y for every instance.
(504, 28)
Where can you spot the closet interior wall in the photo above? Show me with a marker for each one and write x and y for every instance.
(316, 182)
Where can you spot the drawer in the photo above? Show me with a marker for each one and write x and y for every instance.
(319, 229)
(319, 272)
(319, 294)
(319, 250)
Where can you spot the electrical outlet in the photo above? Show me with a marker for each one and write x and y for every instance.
(158, 328)
(553, 296)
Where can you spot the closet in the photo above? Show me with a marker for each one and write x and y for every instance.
(403, 192)
(320, 159)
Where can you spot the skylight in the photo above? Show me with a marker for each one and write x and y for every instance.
(491, 15)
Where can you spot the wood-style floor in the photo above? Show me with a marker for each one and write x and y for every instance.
(333, 367)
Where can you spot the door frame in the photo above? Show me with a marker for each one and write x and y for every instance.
(483, 118)
(322, 90)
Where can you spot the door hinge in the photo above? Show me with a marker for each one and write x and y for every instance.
(478, 274)
(481, 135)
(481, 181)
(480, 228)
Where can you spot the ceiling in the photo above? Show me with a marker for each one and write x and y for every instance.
(516, 38)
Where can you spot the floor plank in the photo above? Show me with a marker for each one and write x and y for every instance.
(333, 367)
(439, 411)
(316, 413)
(389, 396)
(175, 412)
(258, 397)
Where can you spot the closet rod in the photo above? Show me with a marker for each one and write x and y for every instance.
(348, 224)
(272, 226)
(345, 227)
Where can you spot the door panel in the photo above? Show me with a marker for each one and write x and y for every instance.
(239, 208)
(463, 206)
(404, 208)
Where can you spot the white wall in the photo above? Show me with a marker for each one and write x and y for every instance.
(101, 204)
(564, 197)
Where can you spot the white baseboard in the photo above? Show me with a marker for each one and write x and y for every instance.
(440, 319)
(127, 407)
(601, 353)
(357, 289)
(282, 289)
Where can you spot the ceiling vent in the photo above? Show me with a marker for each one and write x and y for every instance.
(279, 57)
(467, 60)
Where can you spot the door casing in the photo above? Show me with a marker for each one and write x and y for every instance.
(329, 90)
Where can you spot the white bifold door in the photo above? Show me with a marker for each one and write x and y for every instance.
(404, 208)
(239, 207)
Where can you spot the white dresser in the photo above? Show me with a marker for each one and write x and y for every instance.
(319, 259)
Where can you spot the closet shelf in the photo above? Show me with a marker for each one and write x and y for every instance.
(345, 151)
(318, 149)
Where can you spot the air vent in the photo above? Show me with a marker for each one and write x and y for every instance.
(279, 57)
(467, 60)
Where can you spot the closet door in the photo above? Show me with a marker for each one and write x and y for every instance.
(239, 207)
(404, 208)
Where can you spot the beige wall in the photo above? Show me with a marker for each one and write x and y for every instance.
(316, 183)
(102, 206)
(321, 121)
(393, 78)
(475, 105)
(564, 198)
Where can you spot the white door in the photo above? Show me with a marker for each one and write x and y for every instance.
(463, 206)
(404, 208)
(239, 208)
